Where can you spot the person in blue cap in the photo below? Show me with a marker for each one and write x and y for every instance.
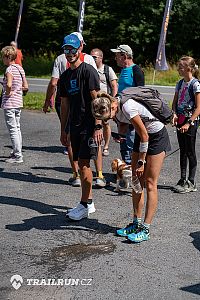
(79, 85)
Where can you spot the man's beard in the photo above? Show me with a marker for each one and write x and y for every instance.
(74, 59)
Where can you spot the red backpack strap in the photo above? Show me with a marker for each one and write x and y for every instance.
(82, 55)
(67, 65)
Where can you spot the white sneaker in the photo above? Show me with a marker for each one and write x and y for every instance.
(78, 213)
(91, 209)
(75, 181)
(14, 160)
(100, 182)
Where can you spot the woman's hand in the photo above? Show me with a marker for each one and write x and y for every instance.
(184, 128)
(98, 136)
(139, 171)
(9, 94)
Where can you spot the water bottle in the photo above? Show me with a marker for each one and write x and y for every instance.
(92, 143)
(136, 185)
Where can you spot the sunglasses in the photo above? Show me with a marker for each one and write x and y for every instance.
(70, 51)
(95, 57)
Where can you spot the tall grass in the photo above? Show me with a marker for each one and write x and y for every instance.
(38, 66)
(169, 77)
(41, 66)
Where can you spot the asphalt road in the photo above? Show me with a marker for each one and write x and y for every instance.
(40, 244)
(40, 85)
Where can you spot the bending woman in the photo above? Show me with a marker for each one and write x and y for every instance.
(150, 145)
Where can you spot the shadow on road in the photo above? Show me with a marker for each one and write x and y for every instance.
(49, 149)
(196, 241)
(53, 220)
(29, 177)
(57, 169)
(194, 289)
(165, 187)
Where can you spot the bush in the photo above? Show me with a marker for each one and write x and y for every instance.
(38, 66)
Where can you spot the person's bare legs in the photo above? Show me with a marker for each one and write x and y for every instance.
(99, 162)
(151, 175)
(106, 135)
(86, 179)
(152, 172)
(138, 199)
(74, 164)
(100, 181)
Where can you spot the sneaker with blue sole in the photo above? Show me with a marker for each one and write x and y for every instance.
(142, 234)
(130, 228)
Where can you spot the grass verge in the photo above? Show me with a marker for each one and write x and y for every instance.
(34, 101)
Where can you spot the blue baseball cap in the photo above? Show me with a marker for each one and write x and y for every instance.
(71, 40)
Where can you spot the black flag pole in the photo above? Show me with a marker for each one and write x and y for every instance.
(161, 63)
(81, 16)
(19, 20)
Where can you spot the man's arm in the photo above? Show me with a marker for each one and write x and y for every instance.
(64, 115)
(114, 87)
(98, 133)
(51, 89)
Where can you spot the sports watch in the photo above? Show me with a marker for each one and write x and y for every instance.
(98, 127)
(141, 162)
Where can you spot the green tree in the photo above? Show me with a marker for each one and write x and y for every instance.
(108, 23)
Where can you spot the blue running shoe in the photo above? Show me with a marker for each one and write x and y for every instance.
(142, 234)
(130, 228)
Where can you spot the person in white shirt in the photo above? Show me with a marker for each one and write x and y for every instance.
(150, 145)
(108, 84)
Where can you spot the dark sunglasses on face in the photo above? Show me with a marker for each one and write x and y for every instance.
(70, 51)
(95, 57)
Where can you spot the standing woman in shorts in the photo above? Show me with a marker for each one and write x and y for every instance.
(150, 145)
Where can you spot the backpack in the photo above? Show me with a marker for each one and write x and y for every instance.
(190, 89)
(138, 75)
(151, 99)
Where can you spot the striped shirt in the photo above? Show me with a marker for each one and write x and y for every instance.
(16, 99)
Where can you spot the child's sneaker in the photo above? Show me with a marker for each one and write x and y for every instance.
(130, 228)
(180, 187)
(190, 187)
(142, 234)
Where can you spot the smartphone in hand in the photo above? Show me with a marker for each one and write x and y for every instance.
(118, 136)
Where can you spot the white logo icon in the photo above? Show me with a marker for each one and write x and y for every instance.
(16, 281)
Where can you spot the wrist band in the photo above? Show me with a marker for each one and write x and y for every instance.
(98, 127)
(143, 146)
